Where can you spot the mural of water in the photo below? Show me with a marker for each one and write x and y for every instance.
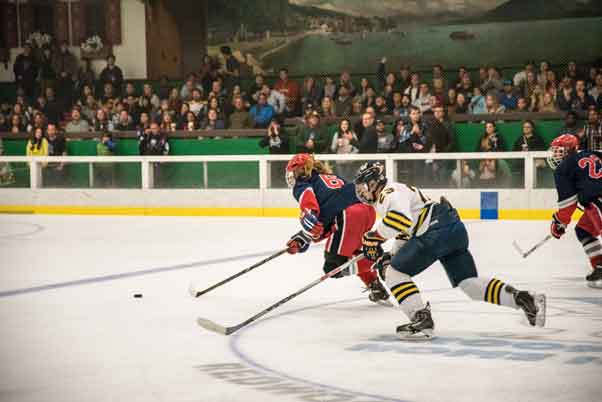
(421, 46)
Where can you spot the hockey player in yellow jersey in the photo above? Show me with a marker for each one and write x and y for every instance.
(426, 231)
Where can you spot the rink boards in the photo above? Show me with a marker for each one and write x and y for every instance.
(530, 204)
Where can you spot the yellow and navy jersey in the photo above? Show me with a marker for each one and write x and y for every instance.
(404, 210)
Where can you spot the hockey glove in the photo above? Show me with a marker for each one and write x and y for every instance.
(299, 243)
(382, 264)
(557, 228)
(312, 227)
(372, 245)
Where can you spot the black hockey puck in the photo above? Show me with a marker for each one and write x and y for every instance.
(138, 295)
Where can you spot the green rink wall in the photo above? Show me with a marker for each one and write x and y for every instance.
(228, 174)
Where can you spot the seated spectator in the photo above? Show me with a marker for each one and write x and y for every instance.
(571, 125)
(493, 107)
(362, 91)
(153, 142)
(167, 124)
(342, 104)
(164, 87)
(327, 108)
(508, 99)
(404, 76)
(256, 87)
(439, 89)
(465, 86)
(173, 101)
(7, 176)
(77, 124)
(477, 103)
(289, 89)
(547, 104)
(529, 140)
(566, 94)
(144, 122)
(37, 145)
(463, 178)
(522, 105)
(53, 109)
(494, 173)
(311, 139)
(275, 99)
(344, 140)
(105, 172)
(101, 121)
(413, 90)
(458, 81)
(125, 122)
(55, 173)
(276, 139)
(108, 93)
(329, 89)
(385, 140)
(403, 111)
(130, 89)
(213, 104)
(212, 121)
(191, 123)
(148, 92)
(189, 85)
(380, 107)
(521, 76)
(196, 104)
(357, 106)
(491, 141)
(261, 113)
(415, 134)
(88, 109)
(4, 126)
(493, 83)
(529, 85)
(370, 99)
(449, 103)
(345, 81)
(239, 118)
(423, 101)
(582, 100)
(112, 74)
(591, 137)
(461, 106)
(573, 71)
(596, 91)
(397, 131)
(310, 93)
(39, 121)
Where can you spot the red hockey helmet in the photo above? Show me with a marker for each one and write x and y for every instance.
(560, 148)
(300, 161)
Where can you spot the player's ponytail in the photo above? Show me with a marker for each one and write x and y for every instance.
(318, 166)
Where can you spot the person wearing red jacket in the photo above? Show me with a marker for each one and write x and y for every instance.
(290, 90)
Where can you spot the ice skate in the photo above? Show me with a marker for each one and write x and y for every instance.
(533, 305)
(378, 293)
(421, 328)
(594, 279)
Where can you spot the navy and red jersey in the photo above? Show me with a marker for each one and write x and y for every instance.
(578, 179)
(327, 194)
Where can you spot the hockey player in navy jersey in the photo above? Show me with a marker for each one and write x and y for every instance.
(330, 210)
(426, 231)
(578, 178)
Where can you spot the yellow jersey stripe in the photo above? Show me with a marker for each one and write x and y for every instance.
(399, 217)
(490, 287)
(497, 291)
(395, 225)
(404, 295)
(400, 288)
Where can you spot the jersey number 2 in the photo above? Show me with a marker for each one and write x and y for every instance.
(595, 172)
(331, 181)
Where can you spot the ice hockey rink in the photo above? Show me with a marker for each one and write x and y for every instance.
(72, 331)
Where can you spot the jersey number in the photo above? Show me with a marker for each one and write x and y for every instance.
(331, 181)
(595, 172)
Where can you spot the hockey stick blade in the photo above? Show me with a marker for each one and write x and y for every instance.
(214, 327)
(517, 248)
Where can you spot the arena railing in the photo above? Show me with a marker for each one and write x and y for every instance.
(524, 170)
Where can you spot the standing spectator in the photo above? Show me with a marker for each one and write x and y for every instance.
(493, 107)
(311, 137)
(385, 140)
(276, 139)
(362, 92)
(105, 172)
(529, 140)
(65, 65)
(342, 105)
(491, 141)
(37, 145)
(275, 99)
(55, 173)
(153, 142)
(86, 75)
(261, 113)
(345, 81)
(521, 76)
(415, 134)
(290, 90)
(255, 89)
(591, 138)
(582, 100)
(366, 122)
(53, 108)
(441, 132)
(414, 89)
(508, 99)
(112, 74)
(368, 139)
(47, 73)
(344, 142)
(477, 102)
(239, 118)
(231, 67)
(310, 94)
(77, 124)
(571, 126)
(26, 71)
(493, 82)
(330, 88)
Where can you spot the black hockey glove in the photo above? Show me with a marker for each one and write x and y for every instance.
(299, 243)
(372, 245)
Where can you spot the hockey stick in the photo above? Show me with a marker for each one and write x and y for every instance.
(525, 254)
(212, 326)
(244, 271)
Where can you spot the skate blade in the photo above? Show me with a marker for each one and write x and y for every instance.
(420, 336)
(540, 317)
(595, 284)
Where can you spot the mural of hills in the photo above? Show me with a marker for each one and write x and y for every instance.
(543, 9)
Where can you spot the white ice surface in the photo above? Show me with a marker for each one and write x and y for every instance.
(92, 341)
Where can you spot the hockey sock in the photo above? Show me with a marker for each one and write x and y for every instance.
(591, 246)
(405, 291)
(364, 271)
(488, 290)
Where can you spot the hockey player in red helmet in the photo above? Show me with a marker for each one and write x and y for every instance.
(578, 179)
(331, 210)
